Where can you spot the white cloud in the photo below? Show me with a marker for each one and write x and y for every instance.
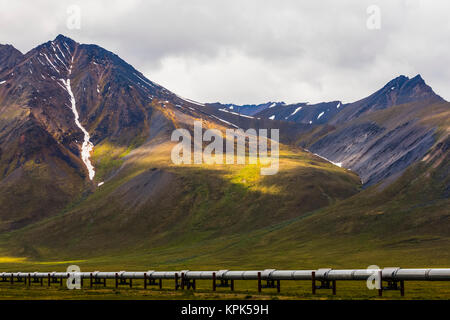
(253, 51)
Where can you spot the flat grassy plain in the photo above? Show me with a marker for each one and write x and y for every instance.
(234, 254)
(244, 290)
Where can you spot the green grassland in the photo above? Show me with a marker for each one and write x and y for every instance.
(150, 203)
(244, 290)
(212, 217)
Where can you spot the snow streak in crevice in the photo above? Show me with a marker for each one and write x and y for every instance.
(87, 146)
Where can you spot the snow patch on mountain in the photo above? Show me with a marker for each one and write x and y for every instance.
(191, 101)
(238, 114)
(295, 111)
(339, 164)
(87, 145)
(224, 121)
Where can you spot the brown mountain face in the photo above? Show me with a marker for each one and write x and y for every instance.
(40, 144)
(39, 166)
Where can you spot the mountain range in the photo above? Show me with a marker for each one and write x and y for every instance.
(85, 169)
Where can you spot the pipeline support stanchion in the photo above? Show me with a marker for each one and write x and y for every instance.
(380, 283)
(182, 281)
(313, 280)
(278, 286)
(259, 281)
(145, 280)
(402, 288)
(214, 281)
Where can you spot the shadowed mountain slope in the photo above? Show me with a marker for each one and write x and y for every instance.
(382, 135)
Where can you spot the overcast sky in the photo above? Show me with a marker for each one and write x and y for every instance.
(252, 51)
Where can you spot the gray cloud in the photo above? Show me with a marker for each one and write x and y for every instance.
(253, 51)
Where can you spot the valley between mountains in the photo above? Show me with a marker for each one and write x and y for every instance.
(86, 174)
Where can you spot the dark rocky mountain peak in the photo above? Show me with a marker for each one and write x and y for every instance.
(381, 135)
(9, 57)
(398, 91)
(395, 83)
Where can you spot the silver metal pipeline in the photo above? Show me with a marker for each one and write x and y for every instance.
(394, 274)
(288, 275)
(208, 275)
(163, 274)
